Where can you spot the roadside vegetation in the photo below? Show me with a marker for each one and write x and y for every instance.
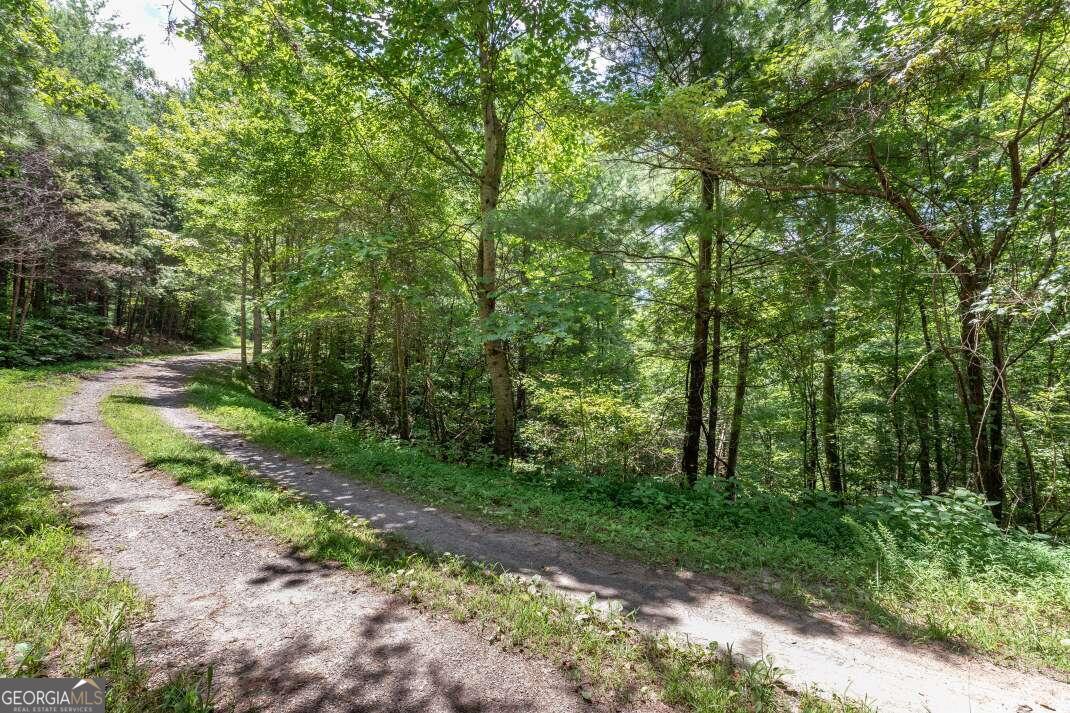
(932, 569)
(608, 658)
(61, 614)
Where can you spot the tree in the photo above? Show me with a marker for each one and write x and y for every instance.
(452, 66)
(944, 77)
(691, 48)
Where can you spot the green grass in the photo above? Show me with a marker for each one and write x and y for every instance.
(605, 654)
(933, 570)
(60, 614)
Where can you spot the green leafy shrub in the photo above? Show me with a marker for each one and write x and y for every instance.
(69, 333)
(600, 432)
(958, 531)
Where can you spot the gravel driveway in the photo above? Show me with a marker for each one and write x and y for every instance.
(283, 634)
(834, 653)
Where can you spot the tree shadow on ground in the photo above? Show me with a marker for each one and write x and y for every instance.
(380, 659)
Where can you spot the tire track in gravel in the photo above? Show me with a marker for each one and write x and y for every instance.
(283, 634)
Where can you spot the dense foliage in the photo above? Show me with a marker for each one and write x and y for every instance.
(88, 249)
(816, 250)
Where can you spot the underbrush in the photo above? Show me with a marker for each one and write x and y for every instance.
(931, 569)
(70, 333)
(74, 332)
(60, 614)
(605, 655)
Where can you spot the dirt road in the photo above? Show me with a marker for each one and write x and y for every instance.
(833, 653)
(283, 634)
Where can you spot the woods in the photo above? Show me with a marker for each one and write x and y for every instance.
(789, 250)
(851, 218)
(780, 251)
(88, 249)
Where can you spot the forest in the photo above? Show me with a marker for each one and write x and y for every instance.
(766, 248)
(87, 254)
(776, 289)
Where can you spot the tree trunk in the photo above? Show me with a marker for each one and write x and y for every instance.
(921, 418)
(16, 286)
(811, 433)
(696, 368)
(131, 316)
(983, 418)
(39, 299)
(897, 415)
(829, 403)
(364, 374)
(401, 375)
(27, 298)
(275, 317)
(258, 294)
(737, 415)
(830, 409)
(120, 305)
(313, 359)
(712, 462)
(494, 348)
(4, 272)
(943, 483)
(144, 321)
(244, 311)
(520, 409)
(993, 476)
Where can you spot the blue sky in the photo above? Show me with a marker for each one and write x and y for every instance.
(171, 57)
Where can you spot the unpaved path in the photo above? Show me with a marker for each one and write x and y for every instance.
(284, 634)
(833, 653)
